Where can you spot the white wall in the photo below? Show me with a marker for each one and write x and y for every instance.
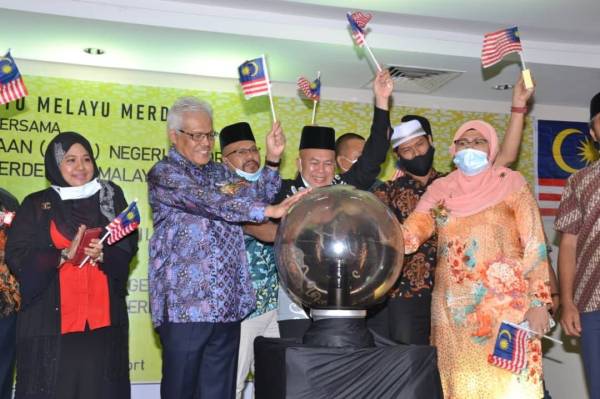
(562, 365)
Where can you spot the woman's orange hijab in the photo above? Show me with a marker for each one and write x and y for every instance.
(464, 195)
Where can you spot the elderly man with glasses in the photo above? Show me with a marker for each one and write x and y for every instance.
(200, 287)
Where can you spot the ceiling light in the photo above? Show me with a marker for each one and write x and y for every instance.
(504, 86)
(93, 51)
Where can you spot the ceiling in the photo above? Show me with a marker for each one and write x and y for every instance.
(300, 37)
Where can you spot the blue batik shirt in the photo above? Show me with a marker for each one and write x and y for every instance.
(263, 272)
(198, 270)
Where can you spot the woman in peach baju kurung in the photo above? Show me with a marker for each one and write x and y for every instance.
(492, 267)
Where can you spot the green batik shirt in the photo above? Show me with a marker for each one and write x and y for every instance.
(263, 274)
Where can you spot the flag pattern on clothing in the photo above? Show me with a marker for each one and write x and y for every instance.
(358, 22)
(498, 44)
(126, 222)
(510, 350)
(12, 86)
(312, 90)
(254, 78)
(562, 149)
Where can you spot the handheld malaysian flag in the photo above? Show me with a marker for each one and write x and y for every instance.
(510, 351)
(496, 45)
(358, 22)
(254, 79)
(125, 223)
(312, 91)
(12, 86)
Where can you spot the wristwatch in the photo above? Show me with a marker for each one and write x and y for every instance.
(273, 164)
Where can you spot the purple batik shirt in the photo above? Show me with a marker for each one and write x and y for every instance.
(198, 270)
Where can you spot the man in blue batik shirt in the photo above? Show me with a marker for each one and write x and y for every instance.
(241, 154)
(200, 287)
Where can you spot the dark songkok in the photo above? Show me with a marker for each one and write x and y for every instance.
(422, 120)
(236, 132)
(317, 137)
(595, 106)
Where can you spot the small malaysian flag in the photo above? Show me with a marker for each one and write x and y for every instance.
(510, 351)
(11, 82)
(125, 223)
(312, 90)
(254, 78)
(358, 22)
(498, 44)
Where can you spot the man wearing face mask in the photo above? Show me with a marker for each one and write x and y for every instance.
(241, 155)
(348, 148)
(406, 317)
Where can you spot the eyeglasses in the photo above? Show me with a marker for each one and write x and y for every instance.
(470, 143)
(210, 136)
(242, 152)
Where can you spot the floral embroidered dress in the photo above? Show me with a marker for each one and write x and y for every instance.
(492, 267)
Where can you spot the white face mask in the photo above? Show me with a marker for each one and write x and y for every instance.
(249, 176)
(79, 192)
(470, 161)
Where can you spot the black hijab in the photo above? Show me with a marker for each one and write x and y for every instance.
(57, 148)
(68, 215)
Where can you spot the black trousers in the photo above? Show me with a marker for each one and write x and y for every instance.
(404, 320)
(8, 344)
(199, 360)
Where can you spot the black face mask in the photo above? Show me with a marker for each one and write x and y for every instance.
(419, 165)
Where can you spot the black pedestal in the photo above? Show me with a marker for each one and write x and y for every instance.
(290, 369)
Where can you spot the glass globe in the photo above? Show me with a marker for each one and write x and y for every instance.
(339, 248)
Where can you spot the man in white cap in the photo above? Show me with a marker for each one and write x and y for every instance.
(405, 317)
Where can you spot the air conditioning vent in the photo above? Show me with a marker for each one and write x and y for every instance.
(419, 80)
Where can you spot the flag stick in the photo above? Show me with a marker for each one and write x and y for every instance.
(372, 56)
(103, 238)
(534, 332)
(525, 72)
(269, 83)
(88, 257)
(314, 113)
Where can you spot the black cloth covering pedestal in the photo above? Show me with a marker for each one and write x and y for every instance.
(286, 368)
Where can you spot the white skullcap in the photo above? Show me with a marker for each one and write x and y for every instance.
(406, 131)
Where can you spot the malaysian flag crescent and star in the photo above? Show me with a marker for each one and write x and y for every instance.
(510, 350)
(254, 78)
(311, 90)
(498, 44)
(562, 149)
(126, 222)
(11, 83)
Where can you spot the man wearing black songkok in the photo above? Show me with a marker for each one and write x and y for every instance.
(316, 168)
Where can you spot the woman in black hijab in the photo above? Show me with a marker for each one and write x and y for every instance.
(72, 329)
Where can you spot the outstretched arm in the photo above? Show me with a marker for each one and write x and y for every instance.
(509, 150)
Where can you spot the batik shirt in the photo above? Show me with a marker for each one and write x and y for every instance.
(402, 196)
(579, 214)
(198, 270)
(263, 272)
